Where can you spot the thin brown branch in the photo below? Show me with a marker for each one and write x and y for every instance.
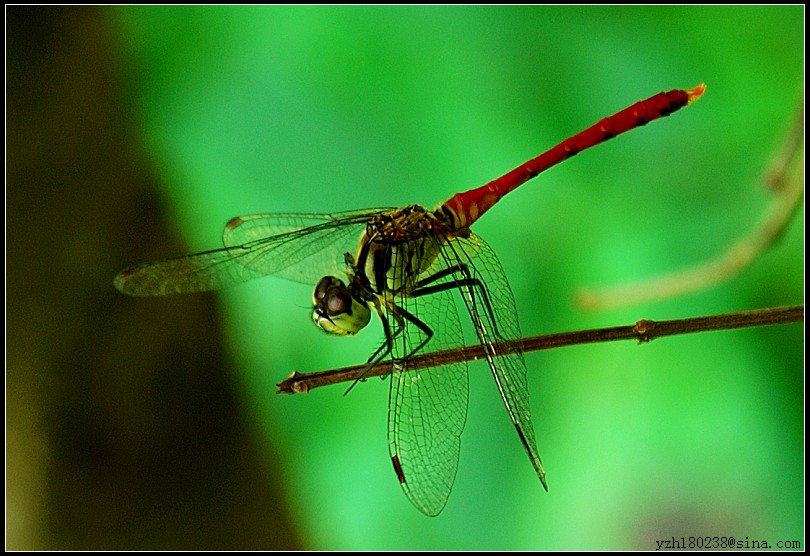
(785, 178)
(643, 331)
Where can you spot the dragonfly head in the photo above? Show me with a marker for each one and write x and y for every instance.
(336, 310)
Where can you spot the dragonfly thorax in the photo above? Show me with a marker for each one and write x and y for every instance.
(337, 310)
(397, 248)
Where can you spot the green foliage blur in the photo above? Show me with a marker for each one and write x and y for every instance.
(322, 109)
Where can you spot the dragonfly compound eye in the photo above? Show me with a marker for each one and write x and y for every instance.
(324, 285)
(336, 311)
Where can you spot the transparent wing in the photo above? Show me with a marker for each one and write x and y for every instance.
(304, 247)
(492, 309)
(300, 247)
(427, 407)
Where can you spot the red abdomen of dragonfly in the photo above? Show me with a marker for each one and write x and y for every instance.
(463, 209)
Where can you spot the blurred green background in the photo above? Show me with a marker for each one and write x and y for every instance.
(136, 133)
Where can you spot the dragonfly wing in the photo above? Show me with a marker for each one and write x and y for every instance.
(300, 247)
(211, 270)
(492, 310)
(427, 407)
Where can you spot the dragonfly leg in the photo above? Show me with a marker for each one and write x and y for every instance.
(379, 354)
(400, 313)
(423, 288)
(387, 346)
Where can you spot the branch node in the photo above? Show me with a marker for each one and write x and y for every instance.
(642, 330)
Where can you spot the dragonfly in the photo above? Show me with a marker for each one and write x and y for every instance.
(414, 268)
